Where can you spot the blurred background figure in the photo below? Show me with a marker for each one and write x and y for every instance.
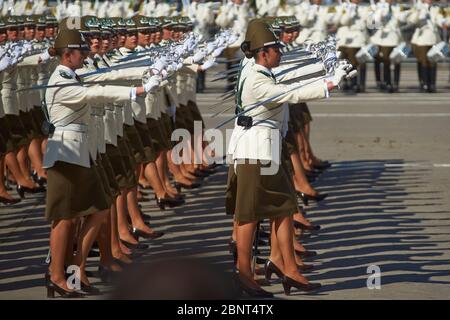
(176, 279)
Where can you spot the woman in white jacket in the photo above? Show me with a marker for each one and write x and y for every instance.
(427, 19)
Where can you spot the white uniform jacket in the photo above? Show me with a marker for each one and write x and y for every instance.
(69, 112)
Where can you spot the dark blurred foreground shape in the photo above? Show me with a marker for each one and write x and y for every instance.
(175, 279)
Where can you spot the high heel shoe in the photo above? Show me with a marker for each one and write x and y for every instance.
(89, 290)
(255, 292)
(306, 254)
(288, 283)
(132, 246)
(199, 174)
(193, 185)
(139, 233)
(305, 267)
(270, 268)
(53, 287)
(38, 179)
(312, 227)
(9, 201)
(21, 190)
(306, 197)
(171, 202)
(233, 249)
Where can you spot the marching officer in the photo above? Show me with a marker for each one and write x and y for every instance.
(428, 19)
(351, 35)
(386, 18)
(74, 186)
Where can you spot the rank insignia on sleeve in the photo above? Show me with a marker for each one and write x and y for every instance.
(65, 75)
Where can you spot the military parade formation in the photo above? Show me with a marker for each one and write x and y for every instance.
(94, 94)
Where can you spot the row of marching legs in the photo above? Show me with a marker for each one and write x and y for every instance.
(387, 73)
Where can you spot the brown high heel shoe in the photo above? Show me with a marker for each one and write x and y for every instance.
(270, 268)
(288, 283)
(53, 287)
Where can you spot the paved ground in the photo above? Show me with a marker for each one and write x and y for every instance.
(389, 202)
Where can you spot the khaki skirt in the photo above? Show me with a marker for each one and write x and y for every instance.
(7, 144)
(195, 112)
(18, 136)
(158, 134)
(73, 191)
(252, 197)
(134, 141)
(104, 179)
(38, 118)
(147, 141)
(112, 185)
(126, 178)
(30, 125)
(168, 127)
(181, 117)
(303, 111)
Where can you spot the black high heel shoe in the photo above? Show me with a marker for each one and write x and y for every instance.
(306, 197)
(233, 249)
(312, 227)
(9, 201)
(170, 202)
(306, 254)
(132, 246)
(89, 290)
(255, 292)
(193, 185)
(288, 283)
(270, 268)
(21, 190)
(139, 233)
(53, 287)
(199, 174)
(38, 179)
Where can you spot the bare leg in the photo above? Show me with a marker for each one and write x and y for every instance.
(58, 243)
(22, 159)
(135, 213)
(244, 241)
(104, 245)
(161, 166)
(34, 152)
(115, 241)
(123, 226)
(284, 231)
(152, 176)
(3, 192)
(88, 234)
(300, 181)
(13, 166)
(142, 179)
(176, 170)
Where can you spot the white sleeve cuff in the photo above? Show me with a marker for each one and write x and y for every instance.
(133, 94)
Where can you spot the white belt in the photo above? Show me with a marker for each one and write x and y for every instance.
(72, 127)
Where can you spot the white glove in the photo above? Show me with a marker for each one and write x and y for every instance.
(210, 47)
(208, 64)
(179, 66)
(179, 50)
(158, 65)
(198, 56)
(27, 46)
(152, 83)
(339, 74)
(5, 62)
(233, 38)
(218, 52)
(44, 56)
